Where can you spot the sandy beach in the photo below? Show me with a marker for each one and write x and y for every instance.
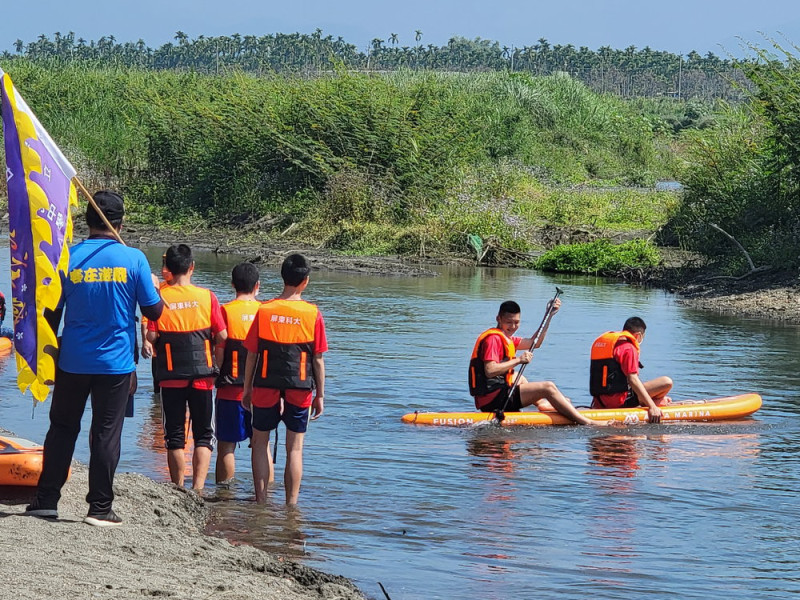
(160, 551)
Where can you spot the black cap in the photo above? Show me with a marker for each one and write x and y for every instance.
(110, 203)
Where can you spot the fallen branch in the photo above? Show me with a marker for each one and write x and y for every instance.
(753, 269)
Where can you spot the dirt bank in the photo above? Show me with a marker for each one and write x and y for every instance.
(159, 551)
(772, 294)
(258, 248)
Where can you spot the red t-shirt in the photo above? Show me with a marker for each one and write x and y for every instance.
(267, 397)
(217, 325)
(628, 358)
(493, 349)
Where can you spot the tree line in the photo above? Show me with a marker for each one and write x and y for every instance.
(626, 72)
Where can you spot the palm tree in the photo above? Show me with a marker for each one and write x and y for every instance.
(393, 39)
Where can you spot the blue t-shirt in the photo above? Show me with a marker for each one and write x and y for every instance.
(104, 283)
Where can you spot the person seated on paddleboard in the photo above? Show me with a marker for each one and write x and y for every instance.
(4, 331)
(614, 373)
(492, 375)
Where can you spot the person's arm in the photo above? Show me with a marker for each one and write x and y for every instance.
(249, 373)
(493, 368)
(492, 354)
(219, 347)
(527, 343)
(219, 353)
(53, 317)
(147, 346)
(153, 312)
(152, 331)
(318, 405)
(251, 345)
(653, 411)
(219, 327)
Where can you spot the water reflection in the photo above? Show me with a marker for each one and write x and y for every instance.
(151, 439)
(272, 527)
(641, 483)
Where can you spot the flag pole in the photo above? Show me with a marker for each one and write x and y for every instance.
(97, 210)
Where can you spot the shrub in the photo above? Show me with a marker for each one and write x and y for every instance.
(600, 257)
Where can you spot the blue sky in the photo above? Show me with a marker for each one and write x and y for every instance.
(674, 25)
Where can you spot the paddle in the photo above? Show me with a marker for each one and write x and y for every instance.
(500, 414)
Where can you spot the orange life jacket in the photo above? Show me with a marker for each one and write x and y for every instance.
(161, 286)
(183, 348)
(479, 383)
(240, 316)
(285, 344)
(605, 373)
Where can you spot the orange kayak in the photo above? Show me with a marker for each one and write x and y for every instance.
(20, 461)
(5, 345)
(715, 409)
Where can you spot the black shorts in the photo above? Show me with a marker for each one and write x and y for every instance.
(294, 417)
(201, 411)
(514, 403)
(632, 401)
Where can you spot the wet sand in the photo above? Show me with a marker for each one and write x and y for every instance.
(160, 551)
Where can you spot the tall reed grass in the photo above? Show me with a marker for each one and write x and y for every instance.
(401, 158)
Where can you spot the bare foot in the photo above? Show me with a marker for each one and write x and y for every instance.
(611, 423)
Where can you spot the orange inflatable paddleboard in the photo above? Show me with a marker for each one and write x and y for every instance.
(715, 409)
(20, 461)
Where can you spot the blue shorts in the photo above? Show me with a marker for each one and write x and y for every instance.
(234, 423)
(294, 417)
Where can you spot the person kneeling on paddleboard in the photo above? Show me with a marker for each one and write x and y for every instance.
(491, 369)
(614, 373)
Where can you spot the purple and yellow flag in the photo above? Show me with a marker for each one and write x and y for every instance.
(40, 195)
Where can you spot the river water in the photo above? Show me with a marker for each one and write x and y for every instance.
(669, 511)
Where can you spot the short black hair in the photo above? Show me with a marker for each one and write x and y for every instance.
(634, 325)
(112, 206)
(509, 307)
(295, 269)
(244, 277)
(178, 259)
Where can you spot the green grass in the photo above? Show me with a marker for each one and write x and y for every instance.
(600, 257)
(402, 162)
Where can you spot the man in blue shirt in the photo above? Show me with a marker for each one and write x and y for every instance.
(104, 283)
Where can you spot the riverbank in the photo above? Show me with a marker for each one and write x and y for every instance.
(159, 551)
(772, 295)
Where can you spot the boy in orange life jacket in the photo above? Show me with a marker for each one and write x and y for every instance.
(284, 363)
(614, 373)
(184, 337)
(491, 370)
(234, 423)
